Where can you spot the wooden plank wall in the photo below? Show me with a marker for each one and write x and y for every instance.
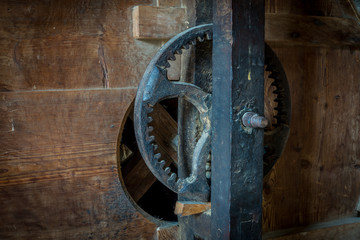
(68, 72)
(317, 178)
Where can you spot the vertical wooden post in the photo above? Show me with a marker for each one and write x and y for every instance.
(238, 86)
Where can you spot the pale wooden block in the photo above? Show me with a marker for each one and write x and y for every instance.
(157, 22)
(185, 208)
(168, 3)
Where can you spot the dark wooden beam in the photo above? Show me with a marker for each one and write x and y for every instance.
(280, 29)
(238, 86)
(298, 30)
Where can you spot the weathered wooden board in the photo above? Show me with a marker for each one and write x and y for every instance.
(167, 232)
(70, 44)
(82, 44)
(331, 8)
(80, 207)
(58, 176)
(291, 30)
(46, 132)
(347, 228)
(157, 22)
(317, 178)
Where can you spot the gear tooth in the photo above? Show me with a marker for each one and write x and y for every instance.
(162, 163)
(149, 110)
(193, 42)
(278, 91)
(167, 64)
(185, 46)
(151, 138)
(280, 105)
(171, 56)
(155, 146)
(279, 119)
(208, 36)
(150, 128)
(273, 75)
(167, 170)
(200, 39)
(178, 51)
(178, 181)
(172, 178)
(270, 67)
(274, 84)
(149, 119)
(157, 156)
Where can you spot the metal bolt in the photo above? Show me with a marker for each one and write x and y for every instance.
(253, 120)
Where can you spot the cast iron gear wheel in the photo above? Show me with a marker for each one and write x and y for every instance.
(155, 87)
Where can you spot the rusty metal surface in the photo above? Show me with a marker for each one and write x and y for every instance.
(254, 120)
(155, 87)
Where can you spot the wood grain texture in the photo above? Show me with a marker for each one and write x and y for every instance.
(157, 22)
(168, 232)
(168, 3)
(58, 174)
(80, 207)
(316, 179)
(82, 44)
(46, 133)
(58, 177)
(348, 228)
(329, 8)
(292, 30)
(186, 208)
(70, 44)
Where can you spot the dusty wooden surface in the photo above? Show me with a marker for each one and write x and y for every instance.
(61, 44)
(298, 30)
(157, 22)
(58, 166)
(317, 178)
(59, 121)
(346, 228)
(167, 232)
(69, 71)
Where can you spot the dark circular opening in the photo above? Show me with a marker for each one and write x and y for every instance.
(145, 190)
